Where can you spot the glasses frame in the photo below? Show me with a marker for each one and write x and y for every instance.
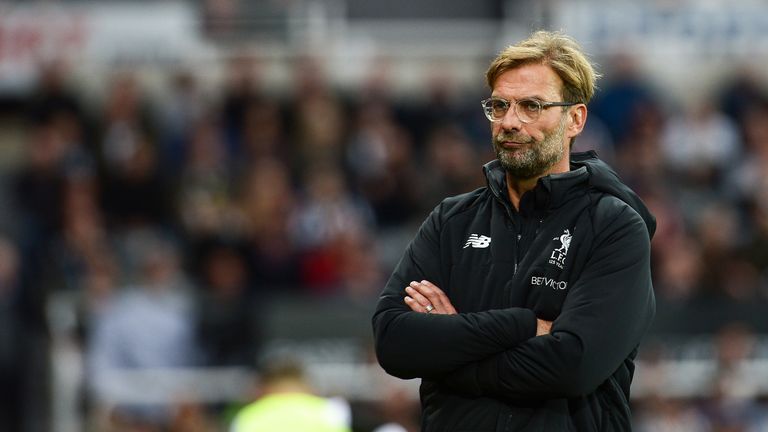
(542, 106)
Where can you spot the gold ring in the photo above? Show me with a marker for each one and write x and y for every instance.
(429, 308)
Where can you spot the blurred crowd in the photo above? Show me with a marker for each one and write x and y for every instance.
(168, 220)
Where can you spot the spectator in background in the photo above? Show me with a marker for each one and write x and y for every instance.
(287, 404)
(360, 267)
(80, 262)
(179, 111)
(263, 134)
(241, 89)
(597, 138)
(54, 98)
(744, 91)
(206, 185)
(734, 405)
(57, 148)
(125, 123)
(228, 312)
(148, 325)
(98, 288)
(267, 204)
(318, 117)
(700, 146)
(748, 184)
(662, 414)
(724, 273)
(444, 103)
(639, 157)
(623, 98)
(135, 194)
(672, 226)
(377, 86)
(381, 159)
(398, 410)
(39, 184)
(452, 167)
(83, 242)
(679, 270)
(749, 181)
(328, 215)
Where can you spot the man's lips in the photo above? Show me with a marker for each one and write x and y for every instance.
(512, 144)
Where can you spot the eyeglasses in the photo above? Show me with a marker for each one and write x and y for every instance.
(527, 110)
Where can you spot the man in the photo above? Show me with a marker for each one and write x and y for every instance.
(521, 304)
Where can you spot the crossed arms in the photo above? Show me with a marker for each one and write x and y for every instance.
(509, 352)
(426, 297)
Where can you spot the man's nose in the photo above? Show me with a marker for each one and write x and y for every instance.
(511, 121)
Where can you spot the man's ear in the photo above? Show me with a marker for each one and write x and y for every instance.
(577, 118)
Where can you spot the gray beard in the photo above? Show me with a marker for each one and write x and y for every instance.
(534, 160)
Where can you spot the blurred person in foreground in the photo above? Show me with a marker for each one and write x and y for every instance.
(521, 305)
(287, 404)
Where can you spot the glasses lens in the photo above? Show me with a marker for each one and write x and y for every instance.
(495, 109)
(528, 110)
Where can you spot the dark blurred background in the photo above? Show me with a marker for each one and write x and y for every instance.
(188, 188)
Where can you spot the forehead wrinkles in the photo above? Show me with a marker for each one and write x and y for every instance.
(527, 81)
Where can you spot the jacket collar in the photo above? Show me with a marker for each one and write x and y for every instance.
(550, 192)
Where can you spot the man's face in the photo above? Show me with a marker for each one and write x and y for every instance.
(529, 150)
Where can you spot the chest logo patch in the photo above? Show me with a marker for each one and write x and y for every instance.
(477, 241)
(559, 253)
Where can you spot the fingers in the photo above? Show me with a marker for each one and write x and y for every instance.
(435, 295)
(424, 293)
(414, 305)
(421, 301)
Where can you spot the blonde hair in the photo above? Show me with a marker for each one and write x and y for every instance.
(556, 50)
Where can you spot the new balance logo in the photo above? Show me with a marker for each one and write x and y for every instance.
(477, 241)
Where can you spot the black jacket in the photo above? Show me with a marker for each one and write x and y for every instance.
(577, 252)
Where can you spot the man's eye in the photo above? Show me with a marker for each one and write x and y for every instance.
(530, 106)
(498, 105)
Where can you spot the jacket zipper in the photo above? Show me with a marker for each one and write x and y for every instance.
(517, 226)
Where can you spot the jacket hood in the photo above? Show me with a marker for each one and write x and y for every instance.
(603, 178)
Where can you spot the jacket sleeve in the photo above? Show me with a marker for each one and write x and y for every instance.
(602, 321)
(411, 344)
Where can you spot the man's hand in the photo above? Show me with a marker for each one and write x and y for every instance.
(426, 297)
(543, 327)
